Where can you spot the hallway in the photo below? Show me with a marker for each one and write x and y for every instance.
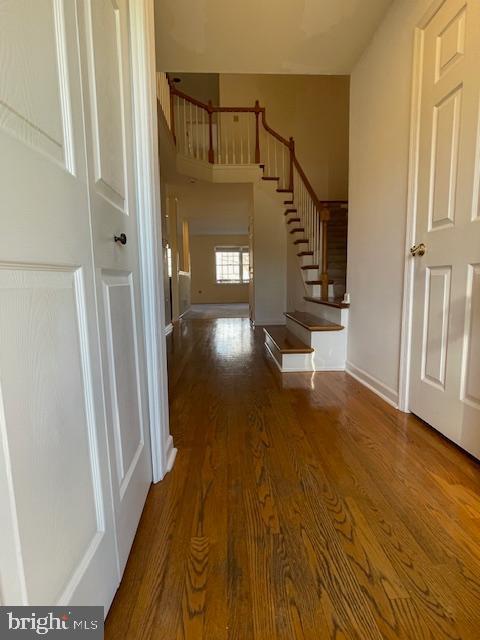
(299, 506)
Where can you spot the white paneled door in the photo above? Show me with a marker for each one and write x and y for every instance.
(57, 540)
(106, 54)
(74, 449)
(445, 378)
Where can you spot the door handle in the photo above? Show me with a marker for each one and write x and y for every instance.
(418, 249)
(122, 238)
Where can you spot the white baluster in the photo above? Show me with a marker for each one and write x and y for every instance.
(242, 123)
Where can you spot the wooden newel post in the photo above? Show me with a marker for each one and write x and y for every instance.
(211, 155)
(257, 132)
(172, 107)
(292, 155)
(324, 218)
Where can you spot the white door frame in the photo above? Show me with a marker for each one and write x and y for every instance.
(408, 288)
(150, 231)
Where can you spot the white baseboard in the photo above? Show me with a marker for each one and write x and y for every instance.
(273, 357)
(168, 329)
(386, 393)
(171, 454)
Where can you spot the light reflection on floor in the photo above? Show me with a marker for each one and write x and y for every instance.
(232, 337)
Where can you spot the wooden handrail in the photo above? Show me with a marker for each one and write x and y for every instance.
(324, 208)
(272, 131)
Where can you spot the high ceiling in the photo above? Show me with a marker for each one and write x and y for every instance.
(266, 36)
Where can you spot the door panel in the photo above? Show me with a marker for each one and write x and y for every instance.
(106, 65)
(123, 363)
(35, 103)
(48, 391)
(437, 313)
(446, 128)
(57, 541)
(471, 356)
(445, 379)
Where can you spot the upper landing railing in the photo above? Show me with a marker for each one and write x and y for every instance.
(242, 136)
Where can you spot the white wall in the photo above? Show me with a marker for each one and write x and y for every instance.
(205, 288)
(269, 255)
(380, 98)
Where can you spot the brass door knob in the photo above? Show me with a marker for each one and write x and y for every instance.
(418, 249)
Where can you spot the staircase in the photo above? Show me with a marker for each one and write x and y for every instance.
(314, 335)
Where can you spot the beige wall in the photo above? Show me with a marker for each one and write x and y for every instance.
(312, 109)
(205, 289)
(379, 145)
(269, 255)
(202, 86)
(298, 36)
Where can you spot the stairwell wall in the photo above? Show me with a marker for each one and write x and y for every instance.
(380, 102)
(312, 109)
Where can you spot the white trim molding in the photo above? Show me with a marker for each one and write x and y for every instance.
(149, 231)
(382, 390)
(410, 235)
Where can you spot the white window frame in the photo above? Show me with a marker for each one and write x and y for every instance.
(242, 251)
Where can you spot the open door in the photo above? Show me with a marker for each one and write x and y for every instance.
(106, 55)
(57, 542)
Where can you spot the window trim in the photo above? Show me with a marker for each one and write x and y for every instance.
(241, 250)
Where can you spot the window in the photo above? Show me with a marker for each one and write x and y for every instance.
(232, 265)
(169, 261)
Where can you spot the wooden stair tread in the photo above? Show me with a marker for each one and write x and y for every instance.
(285, 340)
(317, 282)
(288, 202)
(300, 254)
(284, 191)
(329, 302)
(311, 322)
(270, 178)
(310, 266)
(290, 210)
(301, 241)
(297, 230)
(293, 220)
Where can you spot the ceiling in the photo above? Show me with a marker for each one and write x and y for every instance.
(271, 36)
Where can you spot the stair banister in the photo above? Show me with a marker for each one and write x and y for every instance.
(257, 132)
(314, 214)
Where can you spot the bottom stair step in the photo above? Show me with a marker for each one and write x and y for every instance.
(288, 351)
(311, 322)
(285, 341)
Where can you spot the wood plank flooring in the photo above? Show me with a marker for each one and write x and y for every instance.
(301, 506)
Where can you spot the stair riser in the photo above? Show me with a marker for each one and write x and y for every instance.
(289, 362)
(305, 260)
(315, 290)
(332, 314)
(330, 346)
(310, 274)
(303, 334)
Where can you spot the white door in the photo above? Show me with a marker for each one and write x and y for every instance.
(445, 388)
(106, 57)
(57, 532)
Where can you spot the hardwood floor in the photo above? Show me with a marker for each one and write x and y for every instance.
(300, 506)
